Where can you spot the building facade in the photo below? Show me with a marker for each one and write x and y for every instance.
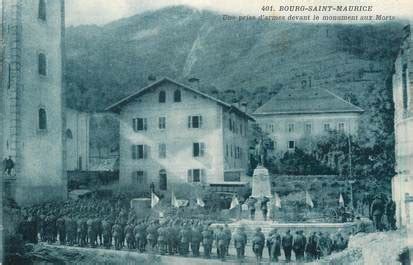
(402, 183)
(294, 118)
(32, 99)
(77, 140)
(171, 134)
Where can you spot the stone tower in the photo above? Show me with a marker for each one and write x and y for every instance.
(32, 99)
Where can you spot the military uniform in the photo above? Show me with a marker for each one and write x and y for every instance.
(220, 239)
(207, 240)
(162, 240)
(287, 244)
(152, 235)
(258, 242)
(117, 234)
(377, 211)
(311, 248)
(275, 246)
(140, 237)
(227, 233)
(240, 241)
(129, 236)
(185, 238)
(299, 246)
(107, 234)
(196, 238)
(61, 229)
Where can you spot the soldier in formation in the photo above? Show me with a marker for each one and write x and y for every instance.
(101, 226)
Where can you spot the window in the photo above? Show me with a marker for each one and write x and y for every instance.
(162, 123)
(195, 121)
(162, 150)
(230, 124)
(341, 127)
(140, 124)
(291, 144)
(177, 96)
(163, 179)
(195, 175)
(291, 127)
(162, 96)
(226, 150)
(42, 10)
(308, 128)
(42, 119)
(42, 64)
(237, 152)
(326, 127)
(140, 177)
(69, 134)
(198, 149)
(139, 152)
(404, 84)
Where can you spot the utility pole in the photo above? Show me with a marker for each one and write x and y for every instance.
(350, 175)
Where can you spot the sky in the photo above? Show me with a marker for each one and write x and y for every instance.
(80, 12)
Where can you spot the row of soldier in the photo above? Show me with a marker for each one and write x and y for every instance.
(178, 236)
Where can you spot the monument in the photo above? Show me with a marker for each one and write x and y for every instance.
(261, 184)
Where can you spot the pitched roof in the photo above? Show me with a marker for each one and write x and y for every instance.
(116, 107)
(300, 101)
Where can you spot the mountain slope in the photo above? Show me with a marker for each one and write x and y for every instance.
(235, 61)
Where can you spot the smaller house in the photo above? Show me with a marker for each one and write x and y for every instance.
(295, 117)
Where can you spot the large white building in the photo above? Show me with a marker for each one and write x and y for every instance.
(32, 99)
(171, 133)
(295, 117)
(402, 183)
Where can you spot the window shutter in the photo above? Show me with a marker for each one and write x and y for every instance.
(200, 121)
(145, 151)
(202, 149)
(189, 121)
(189, 175)
(203, 175)
(134, 125)
(134, 156)
(145, 124)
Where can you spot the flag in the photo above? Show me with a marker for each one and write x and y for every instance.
(277, 200)
(200, 202)
(174, 201)
(341, 200)
(308, 199)
(178, 203)
(154, 200)
(234, 202)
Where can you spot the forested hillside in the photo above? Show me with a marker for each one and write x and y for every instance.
(236, 61)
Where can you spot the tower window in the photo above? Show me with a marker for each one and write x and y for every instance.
(291, 145)
(42, 64)
(42, 119)
(177, 96)
(42, 10)
(162, 96)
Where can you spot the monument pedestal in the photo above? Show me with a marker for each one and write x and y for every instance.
(261, 187)
(261, 184)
